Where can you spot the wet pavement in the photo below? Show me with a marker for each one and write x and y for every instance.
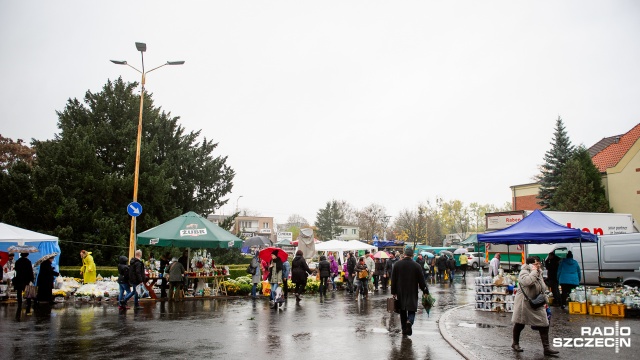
(337, 326)
(230, 329)
(488, 335)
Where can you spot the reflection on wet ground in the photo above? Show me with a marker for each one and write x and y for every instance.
(231, 328)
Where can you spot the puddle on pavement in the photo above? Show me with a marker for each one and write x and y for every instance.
(480, 325)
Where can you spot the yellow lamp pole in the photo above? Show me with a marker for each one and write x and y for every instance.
(142, 47)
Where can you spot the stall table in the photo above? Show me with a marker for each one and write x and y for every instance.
(218, 286)
(149, 286)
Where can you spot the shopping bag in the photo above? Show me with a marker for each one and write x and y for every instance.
(30, 292)
(266, 288)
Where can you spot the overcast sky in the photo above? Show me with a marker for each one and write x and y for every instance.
(387, 102)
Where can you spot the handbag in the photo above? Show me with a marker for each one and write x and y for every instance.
(536, 302)
(30, 292)
(363, 274)
(391, 302)
(251, 270)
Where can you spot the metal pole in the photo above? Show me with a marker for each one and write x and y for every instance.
(584, 280)
(136, 174)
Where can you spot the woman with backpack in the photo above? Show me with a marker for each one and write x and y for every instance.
(324, 267)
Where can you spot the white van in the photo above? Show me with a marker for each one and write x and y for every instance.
(619, 257)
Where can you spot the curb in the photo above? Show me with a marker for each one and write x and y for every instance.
(449, 339)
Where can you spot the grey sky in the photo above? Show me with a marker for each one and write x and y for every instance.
(388, 102)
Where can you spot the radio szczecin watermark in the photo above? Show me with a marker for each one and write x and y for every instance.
(598, 337)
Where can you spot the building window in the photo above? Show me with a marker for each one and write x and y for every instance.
(344, 231)
(265, 225)
(245, 224)
(353, 232)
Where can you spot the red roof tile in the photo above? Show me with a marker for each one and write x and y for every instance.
(611, 155)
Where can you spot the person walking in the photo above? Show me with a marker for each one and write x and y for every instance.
(123, 281)
(351, 268)
(371, 266)
(464, 261)
(451, 267)
(136, 278)
(88, 269)
(569, 277)
(176, 280)
(324, 268)
(388, 268)
(551, 263)
(275, 274)
(363, 275)
(24, 276)
(441, 263)
(286, 271)
(531, 283)
(378, 273)
(406, 278)
(256, 278)
(45, 282)
(299, 273)
(494, 265)
(334, 271)
(165, 259)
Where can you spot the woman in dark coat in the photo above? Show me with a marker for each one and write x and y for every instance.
(299, 273)
(324, 267)
(45, 281)
(24, 276)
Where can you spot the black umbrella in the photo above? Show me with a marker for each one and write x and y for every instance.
(257, 241)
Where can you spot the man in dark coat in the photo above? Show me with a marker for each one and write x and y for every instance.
(299, 273)
(406, 277)
(136, 277)
(551, 263)
(351, 269)
(441, 264)
(324, 267)
(24, 276)
(388, 268)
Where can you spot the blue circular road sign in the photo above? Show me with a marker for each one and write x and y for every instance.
(134, 209)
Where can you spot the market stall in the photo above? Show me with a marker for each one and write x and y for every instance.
(538, 228)
(190, 231)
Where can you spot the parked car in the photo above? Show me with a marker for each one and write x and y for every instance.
(476, 260)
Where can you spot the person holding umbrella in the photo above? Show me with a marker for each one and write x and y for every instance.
(24, 276)
(275, 273)
(45, 279)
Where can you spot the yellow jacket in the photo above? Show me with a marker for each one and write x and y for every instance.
(88, 269)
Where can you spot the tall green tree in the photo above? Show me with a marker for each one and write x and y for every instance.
(82, 180)
(328, 221)
(580, 187)
(554, 162)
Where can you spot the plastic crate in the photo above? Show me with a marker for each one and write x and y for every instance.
(598, 310)
(577, 308)
(615, 310)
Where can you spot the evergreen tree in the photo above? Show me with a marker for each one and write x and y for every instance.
(328, 221)
(580, 187)
(555, 160)
(82, 180)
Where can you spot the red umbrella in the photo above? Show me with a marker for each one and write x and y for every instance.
(265, 254)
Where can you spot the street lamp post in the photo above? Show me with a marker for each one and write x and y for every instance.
(385, 222)
(237, 202)
(142, 47)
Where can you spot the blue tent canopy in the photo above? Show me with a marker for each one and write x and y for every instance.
(537, 228)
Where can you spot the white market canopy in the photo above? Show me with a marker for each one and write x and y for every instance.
(20, 236)
(341, 245)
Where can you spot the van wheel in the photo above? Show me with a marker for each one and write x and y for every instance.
(474, 266)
